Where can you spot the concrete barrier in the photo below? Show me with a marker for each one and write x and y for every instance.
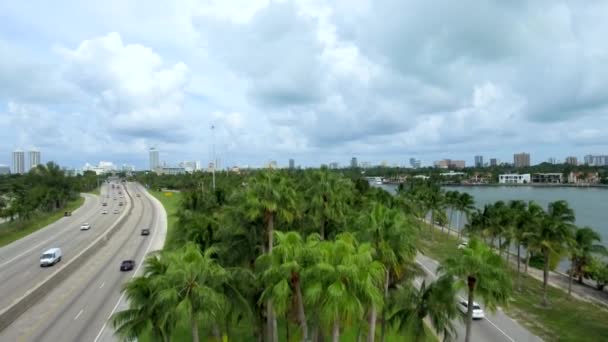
(31, 297)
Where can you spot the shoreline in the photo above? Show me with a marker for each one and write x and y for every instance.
(531, 185)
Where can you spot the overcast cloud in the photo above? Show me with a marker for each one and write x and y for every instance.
(314, 80)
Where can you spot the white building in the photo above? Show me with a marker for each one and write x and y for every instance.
(18, 162)
(452, 174)
(154, 160)
(514, 178)
(102, 168)
(4, 170)
(190, 166)
(34, 159)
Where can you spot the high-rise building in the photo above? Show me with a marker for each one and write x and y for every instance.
(493, 162)
(154, 160)
(521, 159)
(18, 162)
(478, 161)
(571, 160)
(34, 159)
(596, 160)
(353, 162)
(292, 164)
(414, 163)
(449, 163)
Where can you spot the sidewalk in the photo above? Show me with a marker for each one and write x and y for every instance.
(556, 279)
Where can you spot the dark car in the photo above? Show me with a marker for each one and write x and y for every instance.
(120, 204)
(137, 195)
(127, 265)
(145, 231)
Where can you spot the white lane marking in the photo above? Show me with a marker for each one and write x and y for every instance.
(123, 295)
(79, 313)
(102, 284)
(497, 328)
(431, 273)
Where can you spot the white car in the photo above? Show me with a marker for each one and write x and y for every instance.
(463, 245)
(477, 310)
(85, 226)
(104, 212)
(115, 211)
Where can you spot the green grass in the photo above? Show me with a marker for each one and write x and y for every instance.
(567, 319)
(171, 204)
(11, 231)
(96, 191)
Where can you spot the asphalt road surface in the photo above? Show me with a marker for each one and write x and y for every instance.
(78, 309)
(20, 261)
(495, 326)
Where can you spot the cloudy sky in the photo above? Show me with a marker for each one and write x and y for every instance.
(313, 80)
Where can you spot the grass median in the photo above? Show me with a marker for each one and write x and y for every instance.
(96, 191)
(171, 201)
(567, 318)
(12, 231)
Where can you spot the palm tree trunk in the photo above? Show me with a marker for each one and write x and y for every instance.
(432, 223)
(301, 313)
(194, 326)
(450, 221)
(527, 260)
(500, 249)
(571, 275)
(336, 332)
(271, 321)
(217, 334)
(518, 267)
(545, 276)
(471, 284)
(322, 230)
(383, 318)
(458, 225)
(508, 252)
(371, 336)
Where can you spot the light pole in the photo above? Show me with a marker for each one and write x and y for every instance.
(214, 159)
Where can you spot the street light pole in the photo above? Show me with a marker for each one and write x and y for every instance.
(214, 158)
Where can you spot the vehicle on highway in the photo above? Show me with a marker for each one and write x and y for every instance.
(127, 265)
(137, 195)
(115, 211)
(145, 231)
(85, 226)
(50, 257)
(103, 212)
(477, 310)
(105, 204)
(120, 204)
(115, 198)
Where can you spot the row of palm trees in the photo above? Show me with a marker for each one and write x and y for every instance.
(550, 234)
(313, 250)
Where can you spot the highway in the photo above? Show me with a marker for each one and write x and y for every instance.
(78, 309)
(19, 261)
(496, 327)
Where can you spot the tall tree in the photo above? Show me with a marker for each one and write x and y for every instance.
(465, 204)
(483, 273)
(327, 197)
(581, 249)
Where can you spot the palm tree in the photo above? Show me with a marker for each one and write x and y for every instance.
(394, 239)
(283, 274)
(465, 204)
(483, 273)
(533, 220)
(344, 282)
(551, 237)
(194, 281)
(451, 201)
(437, 301)
(270, 196)
(581, 248)
(327, 197)
(434, 201)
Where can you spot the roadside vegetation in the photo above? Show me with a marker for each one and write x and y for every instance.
(171, 201)
(40, 197)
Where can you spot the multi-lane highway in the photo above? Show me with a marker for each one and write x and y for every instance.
(78, 308)
(496, 327)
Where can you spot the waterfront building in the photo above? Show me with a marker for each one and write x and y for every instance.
(478, 161)
(514, 178)
(353, 162)
(452, 174)
(571, 160)
(521, 159)
(547, 178)
(18, 162)
(154, 159)
(34, 159)
(583, 178)
(292, 164)
(170, 171)
(449, 164)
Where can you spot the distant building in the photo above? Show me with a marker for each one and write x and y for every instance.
(415, 163)
(5, 170)
(552, 161)
(514, 178)
(366, 165)
(103, 167)
(154, 159)
(449, 164)
(596, 160)
(493, 162)
(34, 159)
(127, 168)
(547, 178)
(478, 161)
(18, 162)
(583, 178)
(521, 159)
(571, 161)
(170, 170)
(353, 162)
(190, 166)
(292, 164)
(451, 174)
(333, 165)
(423, 177)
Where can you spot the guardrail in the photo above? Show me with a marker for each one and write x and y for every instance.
(31, 297)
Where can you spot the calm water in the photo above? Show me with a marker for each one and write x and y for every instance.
(590, 205)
